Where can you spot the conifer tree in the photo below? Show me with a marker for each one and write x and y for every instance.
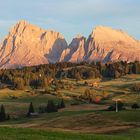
(62, 105)
(31, 109)
(2, 113)
(51, 107)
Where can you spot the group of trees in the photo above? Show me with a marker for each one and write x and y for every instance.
(118, 69)
(40, 76)
(51, 107)
(121, 106)
(93, 96)
(135, 106)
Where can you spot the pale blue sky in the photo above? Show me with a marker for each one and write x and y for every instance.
(71, 17)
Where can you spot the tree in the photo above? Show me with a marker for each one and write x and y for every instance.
(56, 85)
(51, 107)
(77, 76)
(27, 78)
(134, 69)
(87, 94)
(31, 109)
(135, 106)
(62, 104)
(120, 106)
(19, 83)
(117, 74)
(8, 117)
(91, 74)
(2, 113)
(86, 83)
(99, 66)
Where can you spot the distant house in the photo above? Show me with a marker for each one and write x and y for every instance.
(34, 114)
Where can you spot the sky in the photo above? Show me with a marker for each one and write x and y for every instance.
(72, 17)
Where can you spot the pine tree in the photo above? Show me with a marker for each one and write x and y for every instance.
(2, 113)
(62, 105)
(8, 117)
(31, 109)
(51, 107)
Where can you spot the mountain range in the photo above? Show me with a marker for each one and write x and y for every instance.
(28, 45)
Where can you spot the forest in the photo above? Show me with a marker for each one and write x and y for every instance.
(44, 75)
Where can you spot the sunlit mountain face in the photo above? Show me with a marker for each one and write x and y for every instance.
(28, 45)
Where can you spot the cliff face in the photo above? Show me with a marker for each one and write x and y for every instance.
(105, 44)
(28, 45)
(75, 51)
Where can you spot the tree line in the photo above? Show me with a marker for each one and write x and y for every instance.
(42, 75)
(49, 108)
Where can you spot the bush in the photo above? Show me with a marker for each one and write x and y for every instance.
(86, 83)
(113, 107)
(135, 106)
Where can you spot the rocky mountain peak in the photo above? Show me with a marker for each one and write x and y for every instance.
(105, 44)
(107, 34)
(28, 45)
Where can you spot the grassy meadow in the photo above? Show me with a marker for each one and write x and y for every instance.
(79, 119)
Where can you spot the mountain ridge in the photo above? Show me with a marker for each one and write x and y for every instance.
(106, 44)
(28, 45)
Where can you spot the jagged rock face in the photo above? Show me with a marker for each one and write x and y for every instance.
(28, 45)
(75, 51)
(104, 44)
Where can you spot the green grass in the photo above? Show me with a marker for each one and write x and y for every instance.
(77, 118)
(30, 134)
(125, 116)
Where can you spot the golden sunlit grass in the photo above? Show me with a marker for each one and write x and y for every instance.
(5, 93)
